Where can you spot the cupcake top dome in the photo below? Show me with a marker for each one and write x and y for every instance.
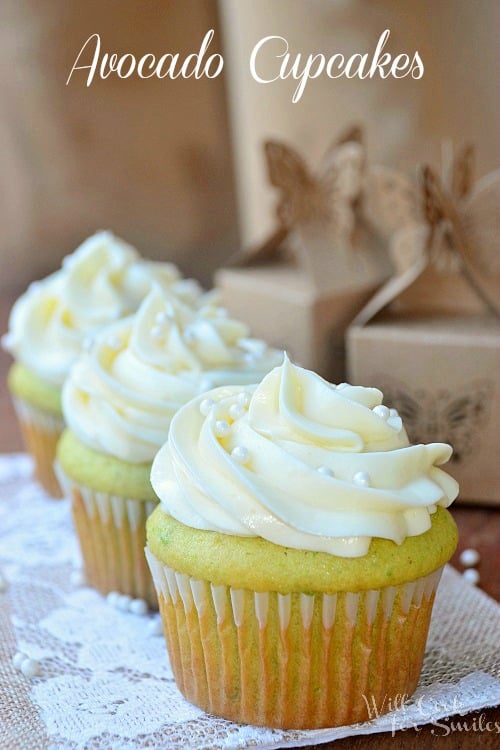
(102, 281)
(301, 463)
(123, 392)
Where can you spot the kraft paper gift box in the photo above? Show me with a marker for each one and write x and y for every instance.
(430, 338)
(305, 284)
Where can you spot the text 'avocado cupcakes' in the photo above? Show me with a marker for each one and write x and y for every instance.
(296, 550)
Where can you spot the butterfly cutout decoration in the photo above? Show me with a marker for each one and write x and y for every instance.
(464, 226)
(456, 417)
(312, 199)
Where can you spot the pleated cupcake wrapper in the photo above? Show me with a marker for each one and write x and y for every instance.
(293, 660)
(41, 432)
(112, 535)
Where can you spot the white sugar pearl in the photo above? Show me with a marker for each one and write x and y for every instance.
(382, 411)
(469, 557)
(222, 428)
(18, 659)
(362, 478)
(471, 576)
(157, 333)
(123, 602)
(114, 343)
(243, 399)
(112, 598)
(240, 454)
(138, 607)
(155, 627)
(30, 668)
(38, 284)
(341, 386)
(189, 336)
(236, 411)
(206, 406)
(325, 470)
(77, 578)
(161, 318)
(393, 413)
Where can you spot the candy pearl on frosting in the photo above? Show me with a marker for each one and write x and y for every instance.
(240, 454)
(162, 317)
(362, 478)
(222, 428)
(236, 411)
(157, 333)
(243, 399)
(325, 470)
(393, 413)
(206, 406)
(189, 336)
(114, 343)
(382, 411)
(341, 386)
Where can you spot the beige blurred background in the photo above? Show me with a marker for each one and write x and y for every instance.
(152, 159)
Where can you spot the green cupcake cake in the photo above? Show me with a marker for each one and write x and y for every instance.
(296, 550)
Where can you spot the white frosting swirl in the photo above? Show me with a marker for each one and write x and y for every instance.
(122, 394)
(103, 280)
(301, 463)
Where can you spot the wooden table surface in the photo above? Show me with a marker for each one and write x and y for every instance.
(479, 528)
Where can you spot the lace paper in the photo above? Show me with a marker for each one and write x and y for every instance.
(105, 681)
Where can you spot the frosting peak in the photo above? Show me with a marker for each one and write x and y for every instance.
(103, 280)
(122, 394)
(301, 463)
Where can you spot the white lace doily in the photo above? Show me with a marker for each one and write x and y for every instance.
(105, 681)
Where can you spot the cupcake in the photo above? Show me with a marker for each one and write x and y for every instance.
(118, 403)
(103, 280)
(296, 550)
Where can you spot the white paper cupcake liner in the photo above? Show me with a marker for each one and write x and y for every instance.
(292, 660)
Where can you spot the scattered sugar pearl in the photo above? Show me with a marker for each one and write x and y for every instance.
(243, 399)
(155, 627)
(38, 284)
(393, 413)
(7, 341)
(112, 598)
(157, 333)
(206, 406)
(471, 575)
(162, 317)
(123, 602)
(325, 470)
(362, 478)
(222, 428)
(4, 584)
(77, 578)
(138, 607)
(240, 454)
(382, 411)
(114, 343)
(469, 557)
(30, 668)
(236, 411)
(341, 386)
(189, 336)
(18, 659)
